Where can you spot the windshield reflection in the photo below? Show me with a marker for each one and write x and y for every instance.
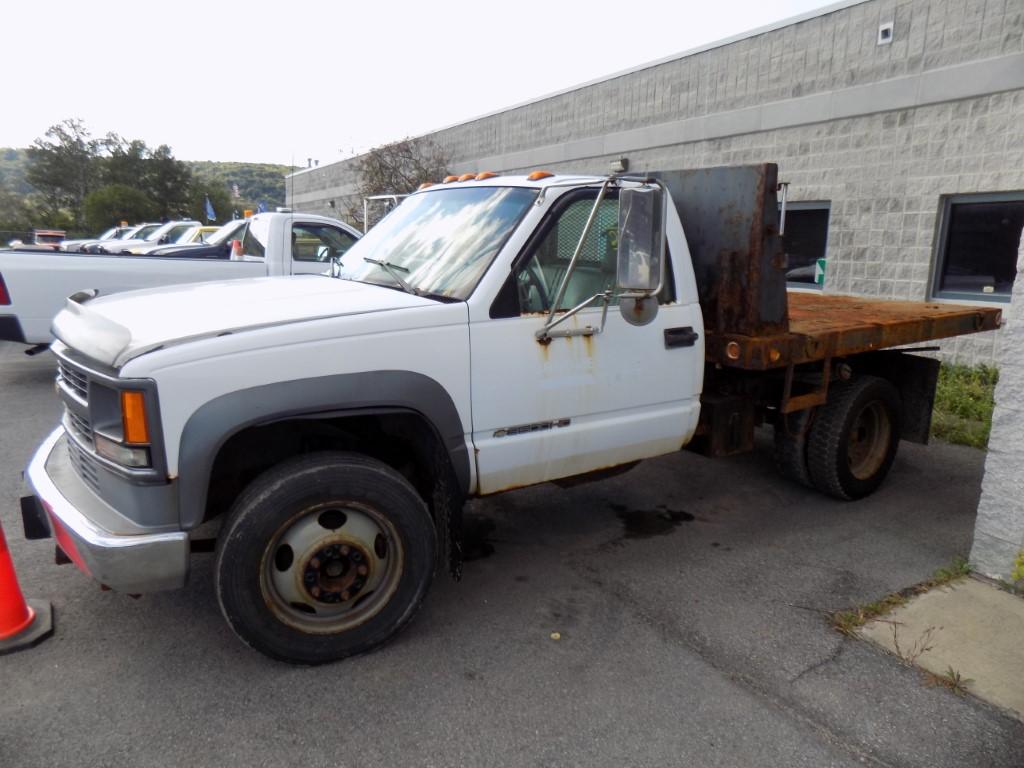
(445, 239)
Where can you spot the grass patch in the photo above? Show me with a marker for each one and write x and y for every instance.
(850, 620)
(951, 679)
(963, 404)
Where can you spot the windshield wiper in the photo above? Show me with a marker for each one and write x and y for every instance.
(393, 270)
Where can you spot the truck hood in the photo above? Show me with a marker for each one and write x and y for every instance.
(115, 329)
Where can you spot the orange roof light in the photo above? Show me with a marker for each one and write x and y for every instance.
(538, 175)
(485, 175)
(450, 179)
(425, 184)
(467, 177)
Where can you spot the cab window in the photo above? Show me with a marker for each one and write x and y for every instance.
(319, 242)
(540, 276)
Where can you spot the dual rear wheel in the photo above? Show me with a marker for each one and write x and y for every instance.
(845, 447)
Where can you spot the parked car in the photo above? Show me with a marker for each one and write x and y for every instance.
(216, 246)
(189, 238)
(113, 233)
(137, 232)
(168, 232)
(42, 240)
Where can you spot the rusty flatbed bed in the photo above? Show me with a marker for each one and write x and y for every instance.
(824, 326)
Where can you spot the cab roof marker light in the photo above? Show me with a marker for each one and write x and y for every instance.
(485, 175)
(450, 179)
(538, 175)
(467, 177)
(425, 184)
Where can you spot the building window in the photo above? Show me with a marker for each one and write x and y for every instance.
(805, 240)
(979, 237)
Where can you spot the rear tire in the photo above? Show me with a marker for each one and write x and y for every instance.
(853, 440)
(791, 446)
(324, 556)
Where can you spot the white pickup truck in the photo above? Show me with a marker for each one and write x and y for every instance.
(490, 333)
(34, 285)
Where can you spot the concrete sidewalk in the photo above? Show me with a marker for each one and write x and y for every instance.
(968, 634)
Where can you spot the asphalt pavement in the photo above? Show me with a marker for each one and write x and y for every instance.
(688, 596)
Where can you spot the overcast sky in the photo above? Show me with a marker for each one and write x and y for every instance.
(269, 82)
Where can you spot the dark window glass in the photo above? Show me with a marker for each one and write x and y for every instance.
(804, 241)
(316, 242)
(978, 252)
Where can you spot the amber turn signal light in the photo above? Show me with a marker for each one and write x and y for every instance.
(133, 417)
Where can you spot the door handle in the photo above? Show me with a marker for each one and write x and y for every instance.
(680, 337)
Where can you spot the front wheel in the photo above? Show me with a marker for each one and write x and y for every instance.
(324, 556)
(853, 440)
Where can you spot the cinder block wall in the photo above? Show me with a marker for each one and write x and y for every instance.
(882, 132)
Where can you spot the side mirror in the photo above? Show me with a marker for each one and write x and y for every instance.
(641, 247)
(164, 239)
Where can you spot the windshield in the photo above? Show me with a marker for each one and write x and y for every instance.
(145, 232)
(222, 234)
(440, 242)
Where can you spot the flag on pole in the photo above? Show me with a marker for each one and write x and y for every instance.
(262, 207)
(211, 215)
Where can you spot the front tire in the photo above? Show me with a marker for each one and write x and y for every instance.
(853, 440)
(324, 556)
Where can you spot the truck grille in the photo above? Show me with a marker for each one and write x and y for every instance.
(75, 380)
(84, 465)
(79, 425)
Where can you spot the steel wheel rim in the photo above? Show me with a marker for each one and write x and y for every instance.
(331, 567)
(869, 440)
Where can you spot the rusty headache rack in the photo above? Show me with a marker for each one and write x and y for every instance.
(731, 218)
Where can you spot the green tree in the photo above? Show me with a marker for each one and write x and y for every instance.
(168, 182)
(64, 167)
(16, 213)
(125, 162)
(114, 203)
(220, 199)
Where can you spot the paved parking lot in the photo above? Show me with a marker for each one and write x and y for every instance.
(688, 595)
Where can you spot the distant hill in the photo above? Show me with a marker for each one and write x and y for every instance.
(13, 164)
(256, 181)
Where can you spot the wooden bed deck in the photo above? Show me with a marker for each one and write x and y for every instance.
(823, 326)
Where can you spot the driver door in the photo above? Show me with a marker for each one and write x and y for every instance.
(543, 411)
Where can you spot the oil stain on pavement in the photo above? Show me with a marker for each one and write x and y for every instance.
(645, 523)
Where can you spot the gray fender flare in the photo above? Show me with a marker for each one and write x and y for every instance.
(216, 421)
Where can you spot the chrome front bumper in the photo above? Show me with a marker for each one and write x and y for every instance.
(127, 562)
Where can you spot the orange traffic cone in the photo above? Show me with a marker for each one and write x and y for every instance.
(22, 624)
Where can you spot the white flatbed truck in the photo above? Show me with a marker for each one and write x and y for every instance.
(490, 333)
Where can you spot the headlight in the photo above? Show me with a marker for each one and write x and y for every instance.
(122, 454)
(130, 448)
